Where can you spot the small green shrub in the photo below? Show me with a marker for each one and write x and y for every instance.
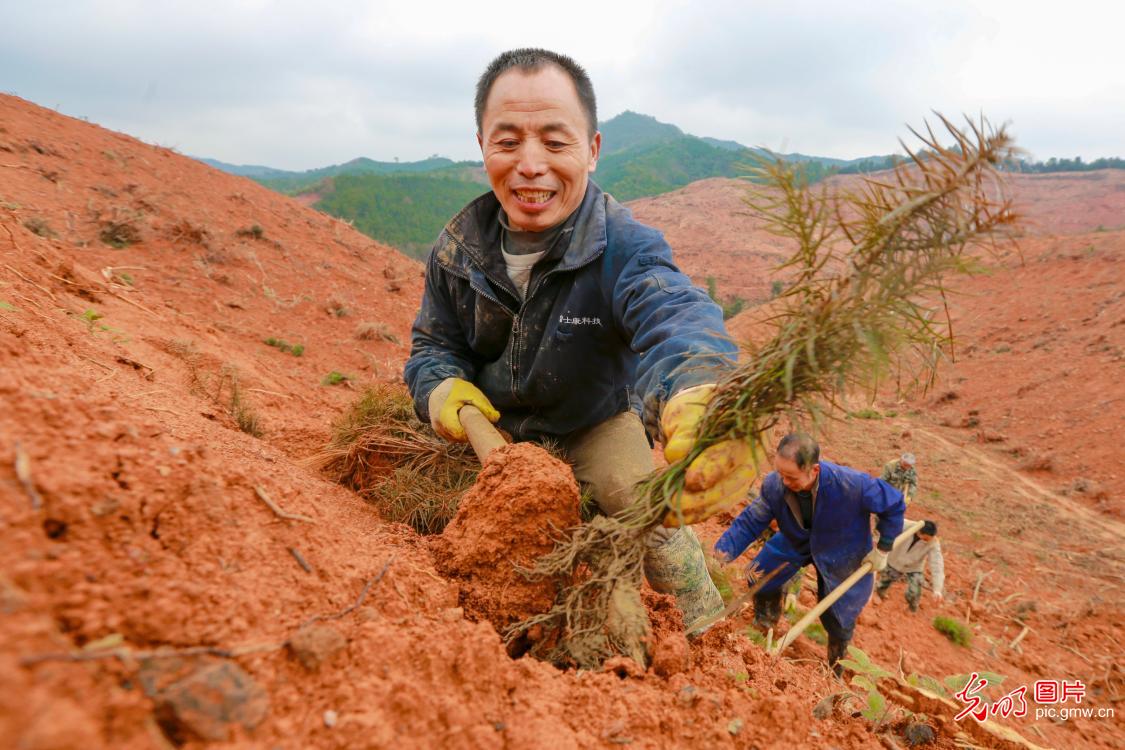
(254, 231)
(817, 633)
(866, 413)
(954, 630)
(335, 378)
(776, 288)
(295, 349)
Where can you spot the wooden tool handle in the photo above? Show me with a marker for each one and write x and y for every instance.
(798, 628)
(482, 435)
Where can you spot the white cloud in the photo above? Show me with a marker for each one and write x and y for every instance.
(297, 85)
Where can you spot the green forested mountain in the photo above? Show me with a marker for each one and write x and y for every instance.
(406, 204)
(660, 167)
(403, 210)
(630, 130)
(297, 182)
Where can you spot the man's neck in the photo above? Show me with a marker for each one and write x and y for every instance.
(520, 242)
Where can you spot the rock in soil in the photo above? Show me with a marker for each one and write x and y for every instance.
(210, 702)
(315, 645)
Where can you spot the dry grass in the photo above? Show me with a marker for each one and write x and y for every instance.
(383, 452)
(371, 331)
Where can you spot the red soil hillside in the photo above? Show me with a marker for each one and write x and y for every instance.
(1016, 455)
(713, 232)
(142, 575)
(1040, 344)
(150, 597)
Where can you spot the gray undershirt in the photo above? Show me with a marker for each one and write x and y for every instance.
(519, 247)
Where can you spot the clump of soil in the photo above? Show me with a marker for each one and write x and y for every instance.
(668, 645)
(522, 501)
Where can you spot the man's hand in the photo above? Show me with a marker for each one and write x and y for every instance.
(938, 596)
(719, 476)
(878, 560)
(446, 401)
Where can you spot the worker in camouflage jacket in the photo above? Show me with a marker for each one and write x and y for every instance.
(909, 561)
(901, 474)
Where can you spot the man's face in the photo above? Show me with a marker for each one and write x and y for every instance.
(536, 149)
(925, 537)
(903, 465)
(793, 477)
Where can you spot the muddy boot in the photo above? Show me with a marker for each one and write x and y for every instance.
(837, 650)
(767, 610)
(674, 564)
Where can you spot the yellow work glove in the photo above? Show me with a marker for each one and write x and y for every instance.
(719, 476)
(446, 401)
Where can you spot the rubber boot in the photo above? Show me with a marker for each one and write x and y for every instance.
(674, 564)
(837, 649)
(767, 610)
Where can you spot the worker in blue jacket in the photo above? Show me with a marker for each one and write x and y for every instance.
(823, 512)
(562, 318)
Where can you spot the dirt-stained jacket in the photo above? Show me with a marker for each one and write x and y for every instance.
(904, 480)
(911, 557)
(840, 535)
(609, 323)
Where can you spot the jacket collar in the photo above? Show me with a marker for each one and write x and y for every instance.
(476, 232)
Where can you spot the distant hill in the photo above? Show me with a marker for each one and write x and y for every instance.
(243, 170)
(407, 211)
(630, 130)
(407, 203)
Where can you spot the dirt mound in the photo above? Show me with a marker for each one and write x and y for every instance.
(522, 501)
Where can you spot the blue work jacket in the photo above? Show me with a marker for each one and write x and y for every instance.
(841, 529)
(609, 323)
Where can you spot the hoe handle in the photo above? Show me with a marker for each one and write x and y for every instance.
(907, 532)
(482, 435)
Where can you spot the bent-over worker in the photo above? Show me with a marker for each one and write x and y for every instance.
(824, 514)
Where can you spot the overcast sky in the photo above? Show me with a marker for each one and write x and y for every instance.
(297, 85)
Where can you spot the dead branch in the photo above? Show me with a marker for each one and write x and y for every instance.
(29, 281)
(359, 600)
(277, 511)
(23, 472)
(300, 559)
(1020, 637)
(96, 362)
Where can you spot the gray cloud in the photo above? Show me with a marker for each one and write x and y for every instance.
(292, 86)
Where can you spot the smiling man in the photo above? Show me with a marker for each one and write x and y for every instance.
(562, 318)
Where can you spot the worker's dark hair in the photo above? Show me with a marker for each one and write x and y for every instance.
(530, 60)
(801, 448)
(929, 528)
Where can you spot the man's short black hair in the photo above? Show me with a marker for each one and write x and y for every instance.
(929, 528)
(530, 60)
(801, 448)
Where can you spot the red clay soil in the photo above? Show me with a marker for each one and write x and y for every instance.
(166, 576)
(521, 501)
(150, 594)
